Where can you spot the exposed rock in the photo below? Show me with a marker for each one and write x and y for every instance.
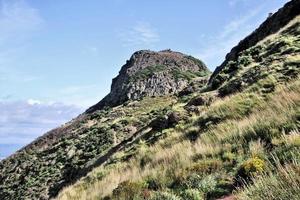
(159, 123)
(130, 129)
(192, 109)
(197, 101)
(150, 73)
(186, 91)
(194, 86)
(201, 100)
(173, 118)
(165, 121)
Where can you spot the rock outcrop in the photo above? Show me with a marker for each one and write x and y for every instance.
(150, 73)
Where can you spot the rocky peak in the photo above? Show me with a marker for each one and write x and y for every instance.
(150, 73)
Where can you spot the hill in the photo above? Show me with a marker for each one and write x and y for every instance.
(149, 80)
(169, 130)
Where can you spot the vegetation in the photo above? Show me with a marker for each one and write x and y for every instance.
(244, 145)
(147, 72)
(240, 140)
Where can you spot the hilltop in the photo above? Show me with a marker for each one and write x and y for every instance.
(148, 73)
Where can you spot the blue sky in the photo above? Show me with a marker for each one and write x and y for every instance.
(57, 57)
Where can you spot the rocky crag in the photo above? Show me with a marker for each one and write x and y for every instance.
(150, 73)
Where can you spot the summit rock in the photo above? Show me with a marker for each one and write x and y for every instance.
(150, 73)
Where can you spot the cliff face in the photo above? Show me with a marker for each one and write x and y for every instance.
(268, 27)
(150, 73)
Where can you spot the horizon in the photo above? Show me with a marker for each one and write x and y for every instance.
(56, 60)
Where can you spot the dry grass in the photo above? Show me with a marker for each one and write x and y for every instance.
(161, 159)
(282, 183)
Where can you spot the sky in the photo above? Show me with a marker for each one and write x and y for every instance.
(57, 57)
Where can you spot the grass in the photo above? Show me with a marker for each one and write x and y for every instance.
(218, 153)
(246, 143)
(281, 183)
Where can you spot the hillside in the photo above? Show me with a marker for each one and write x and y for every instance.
(60, 157)
(169, 130)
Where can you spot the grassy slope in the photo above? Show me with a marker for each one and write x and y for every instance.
(33, 171)
(217, 151)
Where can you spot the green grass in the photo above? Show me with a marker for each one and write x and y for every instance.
(240, 144)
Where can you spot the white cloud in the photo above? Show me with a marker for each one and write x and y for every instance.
(33, 102)
(23, 121)
(141, 34)
(229, 36)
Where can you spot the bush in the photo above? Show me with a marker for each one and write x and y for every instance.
(228, 156)
(192, 194)
(154, 183)
(164, 196)
(206, 166)
(218, 80)
(250, 168)
(147, 72)
(129, 190)
(244, 60)
(208, 184)
(232, 86)
(231, 67)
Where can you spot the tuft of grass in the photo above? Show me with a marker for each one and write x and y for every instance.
(281, 183)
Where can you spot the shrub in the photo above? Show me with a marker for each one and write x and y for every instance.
(154, 183)
(218, 80)
(147, 72)
(208, 184)
(206, 166)
(186, 75)
(244, 60)
(192, 133)
(250, 167)
(192, 194)
(196, 61)
(128, 190)
(164, 196)
(232, 86)
(228, 156)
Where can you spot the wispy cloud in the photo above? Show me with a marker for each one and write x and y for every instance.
(76, 89)
(91, 50)
(17, 20)
(82, 96)
(23, 121)
(229, 36)
(141, 34)
(233, 3)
